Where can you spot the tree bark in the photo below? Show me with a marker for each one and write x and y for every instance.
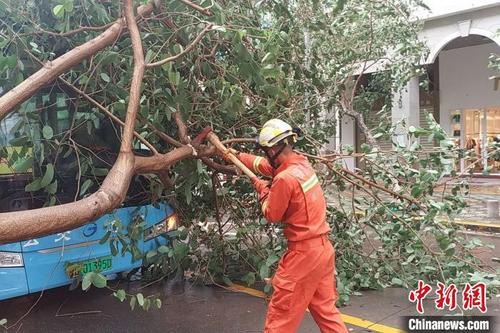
(29, 224)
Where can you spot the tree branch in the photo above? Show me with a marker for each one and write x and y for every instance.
(182, 128)
(137, 76)
(69, 33)
(188, 49)
(52, 69)
(202, 10)
(108, 113)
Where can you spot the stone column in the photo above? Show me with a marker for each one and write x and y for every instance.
(406, 106)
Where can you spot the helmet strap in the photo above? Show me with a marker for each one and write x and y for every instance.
(272, 158)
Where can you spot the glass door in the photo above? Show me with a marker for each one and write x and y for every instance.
(481, 133)
(493, 139)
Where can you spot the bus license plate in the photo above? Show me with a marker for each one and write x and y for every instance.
(92, 265)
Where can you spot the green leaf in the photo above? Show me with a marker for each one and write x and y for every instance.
(120, 294)
(174, 77)
(105, 77)
(47, 132)
(140, 299)
(85, 186)
(23, 165)
(58, 11)
(100, 172)
(264, 272)
(114, 250)
(227, 281)
(87, 281)
(149, 55)
(416, 191)
(158, 303)
(219, 28)
(397, 282)
(33, 186)
(105, 238)
(163, 249)
(188, 194)
(150, 254)
(267, 288)
(180, 250)
(99, 281)
(48, 176)
(52, 188)
(273, 258)
(68, 5)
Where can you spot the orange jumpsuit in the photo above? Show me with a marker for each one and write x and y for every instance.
(305, 275)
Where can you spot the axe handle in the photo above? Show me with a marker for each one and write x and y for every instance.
(220, 146)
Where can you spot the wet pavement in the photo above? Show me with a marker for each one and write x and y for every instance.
(193, 309)
(186, 308)
(189, 308)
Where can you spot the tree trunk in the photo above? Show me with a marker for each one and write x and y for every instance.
(24, 225)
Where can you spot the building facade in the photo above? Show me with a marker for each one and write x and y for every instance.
(465, 96)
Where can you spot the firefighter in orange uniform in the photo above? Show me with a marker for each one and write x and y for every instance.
(305, 275)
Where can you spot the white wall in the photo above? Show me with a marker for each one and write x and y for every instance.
(441, 8)
(438, 33)
(406, 107)
(464, 80)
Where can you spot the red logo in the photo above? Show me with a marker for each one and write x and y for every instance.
(472, 296)
(475, 297)
(419, 295)
(446, 297)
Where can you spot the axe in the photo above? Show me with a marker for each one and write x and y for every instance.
(215, 141)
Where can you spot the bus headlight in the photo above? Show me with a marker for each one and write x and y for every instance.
(168, 224)
(11, 259)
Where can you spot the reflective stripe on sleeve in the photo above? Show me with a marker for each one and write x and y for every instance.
(310, 183)
(256, 164)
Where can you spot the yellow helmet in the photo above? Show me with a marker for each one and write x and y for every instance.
(274, 131)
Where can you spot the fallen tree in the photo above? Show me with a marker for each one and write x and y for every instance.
(39, 222)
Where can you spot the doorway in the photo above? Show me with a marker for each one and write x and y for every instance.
(478, 130)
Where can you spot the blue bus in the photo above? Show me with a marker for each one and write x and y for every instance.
(56, 260)
(42, 263)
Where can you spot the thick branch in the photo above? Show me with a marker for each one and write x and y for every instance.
(137, 76)
(160, 162)
(29, 224)
(349, 110)
(52, 69)
(182, 128)
(49, 220)
(188, 49)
